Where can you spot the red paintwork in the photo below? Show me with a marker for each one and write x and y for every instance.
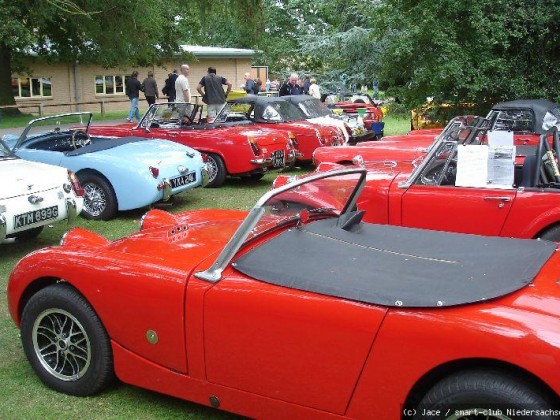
(230, 143)
(309, 136)
(373, 113)
(267, 351)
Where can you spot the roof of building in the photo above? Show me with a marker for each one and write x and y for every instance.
(218, 52)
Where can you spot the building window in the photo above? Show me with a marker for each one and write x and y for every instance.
(110, 84)
(31, 87)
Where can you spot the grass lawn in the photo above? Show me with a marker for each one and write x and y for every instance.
(22, 120)
(22, 395)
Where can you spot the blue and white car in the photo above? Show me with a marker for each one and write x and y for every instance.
(115, 173)
(33, 195)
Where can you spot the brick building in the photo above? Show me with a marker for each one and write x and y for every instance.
(60, 86)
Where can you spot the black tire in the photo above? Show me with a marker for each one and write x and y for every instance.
(551, 234)
(80, 363)
(27, 234)
(216, 169)
(480, 390)
(100, 201)
(253, 177)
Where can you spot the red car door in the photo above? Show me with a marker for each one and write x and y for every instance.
(286, 344)
(480, 211)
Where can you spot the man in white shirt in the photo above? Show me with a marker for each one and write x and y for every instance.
(183, 91)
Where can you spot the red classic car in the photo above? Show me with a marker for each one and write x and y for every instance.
(363, 104)
(245, 150)
(441, 191)
(298, 310)
(282, 115)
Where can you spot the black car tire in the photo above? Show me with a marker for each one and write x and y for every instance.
(253, 177)
(100, 201)
(216, 169)
(480, 390)
(27, 234)
(551, 234)
(65, 342)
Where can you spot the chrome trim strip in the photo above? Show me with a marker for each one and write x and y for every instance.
(205, 176)
(214, 273)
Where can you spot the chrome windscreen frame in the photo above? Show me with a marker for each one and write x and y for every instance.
(214, 273)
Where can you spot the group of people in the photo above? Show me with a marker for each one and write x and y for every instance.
(178, 90)
(292, 86)
(210, 88)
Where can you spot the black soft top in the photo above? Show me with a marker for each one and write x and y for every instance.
(395, 266)
(539, 107)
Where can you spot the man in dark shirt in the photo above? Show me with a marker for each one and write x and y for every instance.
(170, 86)
(149, 86)
(290, 87)
(213, 94)
(133, 88)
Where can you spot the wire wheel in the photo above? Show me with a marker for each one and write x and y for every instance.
(216, 170)
(95, 199)
(61, 344)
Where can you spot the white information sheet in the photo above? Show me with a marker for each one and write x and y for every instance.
(500, 138)
(484, 166)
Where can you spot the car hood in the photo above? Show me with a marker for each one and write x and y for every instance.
(179, 242)
(23, 177)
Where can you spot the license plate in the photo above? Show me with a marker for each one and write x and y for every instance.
(277, 158)
(35, 216)
(179, 181)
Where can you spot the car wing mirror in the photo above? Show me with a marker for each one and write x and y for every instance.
(351, 219)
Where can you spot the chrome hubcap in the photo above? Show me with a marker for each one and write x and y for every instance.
(95, 200)
(61, 344)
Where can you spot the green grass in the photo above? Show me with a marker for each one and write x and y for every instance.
(10, 121)
(22, 395)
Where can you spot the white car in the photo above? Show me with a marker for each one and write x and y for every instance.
(33, 195)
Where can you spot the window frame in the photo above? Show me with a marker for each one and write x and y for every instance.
(104, 78)
(31, 94)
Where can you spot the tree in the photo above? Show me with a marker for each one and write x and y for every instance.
(478, 52)
(123, 33)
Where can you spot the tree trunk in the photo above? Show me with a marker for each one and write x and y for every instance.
(6, 93)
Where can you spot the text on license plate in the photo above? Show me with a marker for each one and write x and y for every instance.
(35, 216)
(277, 158)
(179, 181)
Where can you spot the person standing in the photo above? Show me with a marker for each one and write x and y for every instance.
(150, 89)
(314, 89)
(212, 91)
(290, 87)
(182, 90)
(267, 85)
(306, 84)
(170, 86)
(250, 86)
(133, 88)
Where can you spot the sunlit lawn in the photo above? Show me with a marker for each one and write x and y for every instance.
(22, 395)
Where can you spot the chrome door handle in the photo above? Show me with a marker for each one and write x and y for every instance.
(503, 199)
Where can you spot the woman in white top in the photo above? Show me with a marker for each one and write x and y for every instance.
(314, 89)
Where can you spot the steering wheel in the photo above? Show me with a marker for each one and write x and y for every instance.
(84, 139)
(440, 174)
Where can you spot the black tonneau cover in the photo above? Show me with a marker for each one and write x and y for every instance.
(98, 144)
(396, 266)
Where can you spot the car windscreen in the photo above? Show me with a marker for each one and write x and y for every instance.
(233, 112)
(280, 112)
(325, 197)
(56, 124)
(314, 108)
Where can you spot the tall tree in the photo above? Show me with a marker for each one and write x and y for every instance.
(482, 52)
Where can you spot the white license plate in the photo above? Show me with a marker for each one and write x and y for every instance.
(179, 181)
(277, 158)
(35, 216)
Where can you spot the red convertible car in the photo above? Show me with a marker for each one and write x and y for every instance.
(277, 113)
(235, 149)
(446, 191)
(298, 310)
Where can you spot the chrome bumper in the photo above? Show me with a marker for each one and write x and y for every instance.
(3, 227)
(166, 187)
(71, 210)
(262, 161)
(205, 176)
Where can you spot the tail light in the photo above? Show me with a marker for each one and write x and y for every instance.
(318, 134)
(154, 172)
(254, 145)
(293, 139)
(78, 190)
(204, 157)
